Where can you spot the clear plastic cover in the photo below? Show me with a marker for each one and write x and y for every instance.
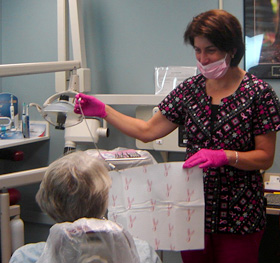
(167, 78)
(61, 113)
(89, 240)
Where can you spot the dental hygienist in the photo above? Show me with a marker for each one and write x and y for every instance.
(231, 119)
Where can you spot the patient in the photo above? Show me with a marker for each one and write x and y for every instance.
(75, 188)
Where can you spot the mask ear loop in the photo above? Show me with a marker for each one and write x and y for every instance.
(112, 167)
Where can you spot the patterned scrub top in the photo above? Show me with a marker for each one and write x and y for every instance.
(234, 200)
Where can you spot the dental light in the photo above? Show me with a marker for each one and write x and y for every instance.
(59, 111)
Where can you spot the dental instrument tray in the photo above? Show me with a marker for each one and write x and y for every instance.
(124, 158)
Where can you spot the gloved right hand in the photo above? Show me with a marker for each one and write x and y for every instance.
(90, 105)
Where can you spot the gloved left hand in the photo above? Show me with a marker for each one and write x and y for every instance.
(207, 158)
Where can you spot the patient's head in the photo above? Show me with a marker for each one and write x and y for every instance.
(75, 186)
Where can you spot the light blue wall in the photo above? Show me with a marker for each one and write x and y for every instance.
(125, 40)
(130, 38)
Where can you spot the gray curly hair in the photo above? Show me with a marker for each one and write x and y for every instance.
(75, 186)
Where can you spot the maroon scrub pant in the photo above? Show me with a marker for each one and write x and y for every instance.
(226, 248)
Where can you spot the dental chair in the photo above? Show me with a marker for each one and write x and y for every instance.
(12, 227)
(89, 241)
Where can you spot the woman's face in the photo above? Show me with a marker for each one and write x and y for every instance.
(206, 52)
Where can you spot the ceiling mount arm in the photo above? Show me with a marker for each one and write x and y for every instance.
(72, 13)
(9, 70)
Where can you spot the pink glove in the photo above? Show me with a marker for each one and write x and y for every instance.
(207, 158)
(90, 105)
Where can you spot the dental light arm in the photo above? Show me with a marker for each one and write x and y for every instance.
(10, 70)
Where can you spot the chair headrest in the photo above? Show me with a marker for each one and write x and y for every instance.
(89, 241)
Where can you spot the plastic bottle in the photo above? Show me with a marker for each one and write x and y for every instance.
(12, 113)
(25, 121)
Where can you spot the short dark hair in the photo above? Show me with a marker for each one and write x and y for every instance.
(220, 28)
